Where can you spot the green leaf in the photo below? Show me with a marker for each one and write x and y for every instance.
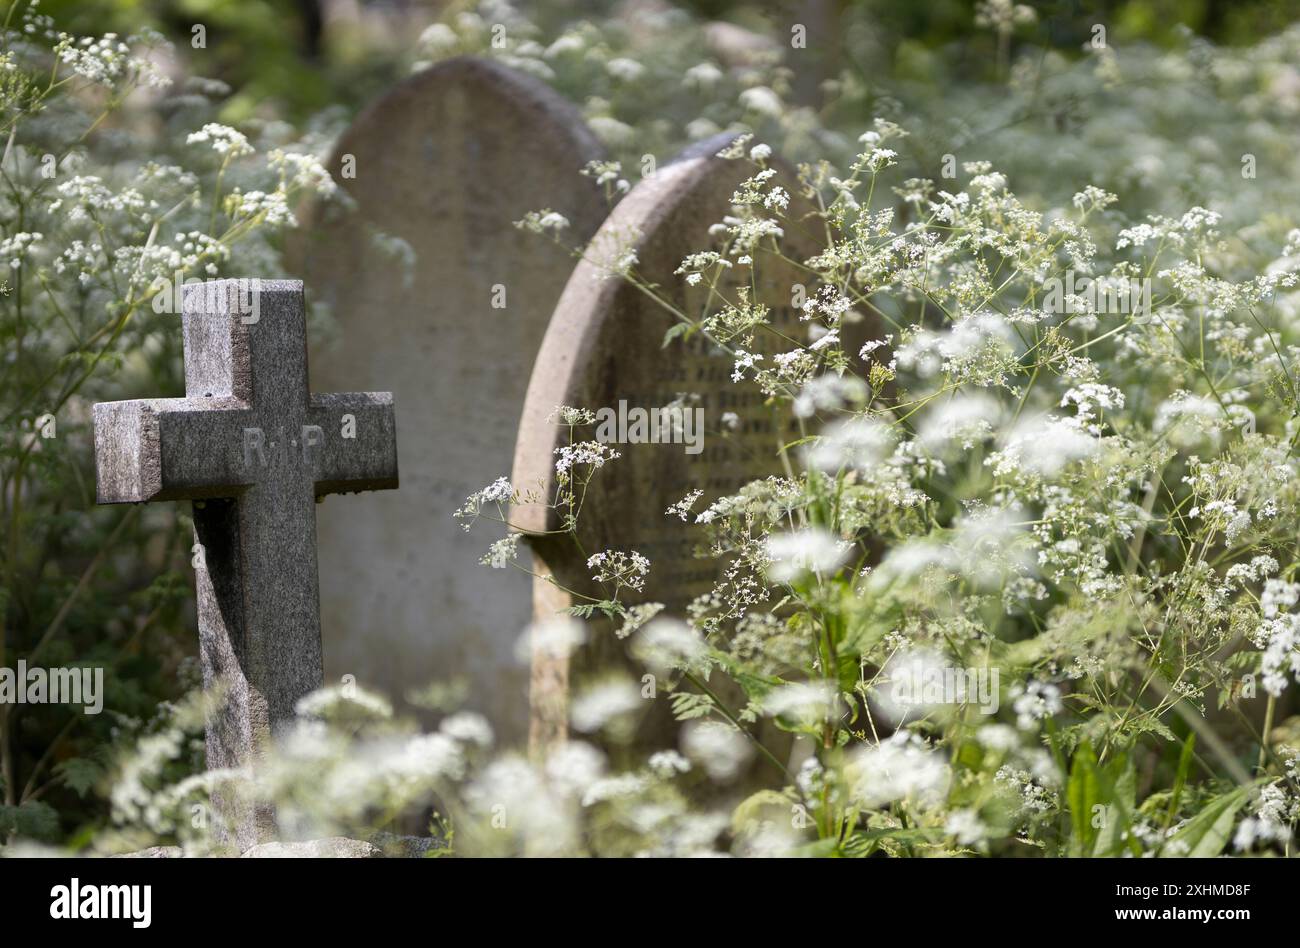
(1083, 792)
(1119, 789)
(865, 842)
(80, 774)
(910, 834)
(34, 820)
(764, 805)
(612, 608)
(1207, 833)
(688, 705)
(1112, 787)
(1180, 779)
(675, 330)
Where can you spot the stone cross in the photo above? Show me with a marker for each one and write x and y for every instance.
(254, 449)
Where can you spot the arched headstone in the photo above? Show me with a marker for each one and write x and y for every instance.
(437, 297)
(606, 347)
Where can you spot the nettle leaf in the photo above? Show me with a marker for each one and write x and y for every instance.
(80, 774)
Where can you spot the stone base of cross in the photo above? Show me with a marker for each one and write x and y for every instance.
(254, 450)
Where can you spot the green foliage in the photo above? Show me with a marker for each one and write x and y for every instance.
(1091, 503)
(32, 820)
(80, 774)
(1088, 512)
(114, 185)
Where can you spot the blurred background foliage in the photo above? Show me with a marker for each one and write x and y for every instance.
(294, 58)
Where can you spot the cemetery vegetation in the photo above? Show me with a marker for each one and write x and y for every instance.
(1084, 507)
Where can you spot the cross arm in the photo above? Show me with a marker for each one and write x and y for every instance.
(169, 449)
(359, 442)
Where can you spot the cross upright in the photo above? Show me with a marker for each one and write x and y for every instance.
(254, 449)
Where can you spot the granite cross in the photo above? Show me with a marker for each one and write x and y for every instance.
(254, 449)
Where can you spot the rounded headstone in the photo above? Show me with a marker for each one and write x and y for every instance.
(606, 346)
(444, 164)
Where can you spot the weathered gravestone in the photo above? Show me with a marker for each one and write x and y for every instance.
(254, 450)
(606, 345)
(446, 162)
